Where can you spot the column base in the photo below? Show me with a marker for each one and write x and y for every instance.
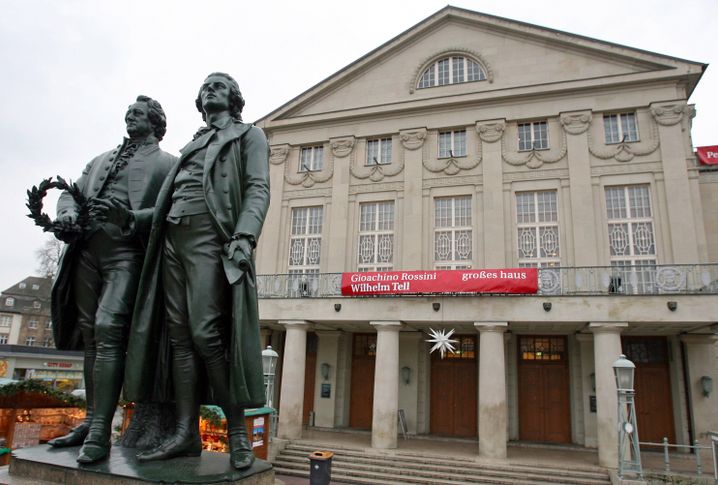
(59, 465)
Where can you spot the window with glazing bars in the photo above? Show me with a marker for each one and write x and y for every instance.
(376, 236)
(311, 159)
(378, 151)
(537, 229)
(452, 233)
(620, 127)
(451, 70)
(631, 239)
(533, 136)
(452, 144)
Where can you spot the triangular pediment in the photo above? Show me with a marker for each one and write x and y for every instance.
(518, 59)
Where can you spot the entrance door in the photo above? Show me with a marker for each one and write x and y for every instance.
(544, 407)
(654, 406)
(453, 390)
(362, 387)
(310, 372)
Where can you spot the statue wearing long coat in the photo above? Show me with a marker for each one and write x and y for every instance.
(146, 173)
(236, 189)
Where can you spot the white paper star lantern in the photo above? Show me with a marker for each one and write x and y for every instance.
(442, 341)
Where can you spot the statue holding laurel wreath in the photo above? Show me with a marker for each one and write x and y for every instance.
(105, 217)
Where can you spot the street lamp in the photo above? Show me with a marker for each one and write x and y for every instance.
(629, 453)
(269, 365)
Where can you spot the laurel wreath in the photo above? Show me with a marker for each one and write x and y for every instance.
(61, 229)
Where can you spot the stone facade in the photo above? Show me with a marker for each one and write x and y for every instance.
(472, 141)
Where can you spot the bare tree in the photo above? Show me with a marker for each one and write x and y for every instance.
(48, 256)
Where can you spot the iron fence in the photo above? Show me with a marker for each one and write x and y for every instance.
(684, 279)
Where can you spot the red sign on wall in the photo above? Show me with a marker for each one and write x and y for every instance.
(509, 280)
(708, 155)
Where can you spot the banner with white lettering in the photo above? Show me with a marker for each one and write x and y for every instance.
(510, 280)
(708, 155)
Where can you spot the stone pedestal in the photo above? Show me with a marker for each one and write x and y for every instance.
(59, 465)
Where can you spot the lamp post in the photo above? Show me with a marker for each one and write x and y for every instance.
(629, 453)
(269, 367)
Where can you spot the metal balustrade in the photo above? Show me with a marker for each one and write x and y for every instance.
(683, 279)
(695, 449)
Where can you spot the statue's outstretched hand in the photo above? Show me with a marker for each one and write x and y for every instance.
(110, 210)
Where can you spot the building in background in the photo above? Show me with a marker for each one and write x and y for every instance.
(476, 142)
(27, 349)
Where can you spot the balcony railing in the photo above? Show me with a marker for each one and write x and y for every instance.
(684, 279)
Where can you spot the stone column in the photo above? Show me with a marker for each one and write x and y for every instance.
(671, 118)
(268, 249)
(342, 149)
(583, 220)
(492, 206)
(606, 348)
(292, 401)
(493, 410)
(412, 142)
(701, 359)
(386, 385)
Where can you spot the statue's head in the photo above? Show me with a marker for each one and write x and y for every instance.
(236, 101)
(146, 116)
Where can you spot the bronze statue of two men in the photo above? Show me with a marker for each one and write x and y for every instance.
(160, 291)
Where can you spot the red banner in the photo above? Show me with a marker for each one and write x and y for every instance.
(708, 155)
(511, 280)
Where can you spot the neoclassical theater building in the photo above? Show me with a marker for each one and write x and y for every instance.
(473, 142)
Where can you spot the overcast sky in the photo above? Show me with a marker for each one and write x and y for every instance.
(70, 68)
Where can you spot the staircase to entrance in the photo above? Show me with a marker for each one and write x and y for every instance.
(383, 467)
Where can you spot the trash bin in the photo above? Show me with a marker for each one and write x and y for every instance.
(320, 467)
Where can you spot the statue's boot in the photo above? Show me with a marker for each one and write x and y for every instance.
(186, 440)
(240, 449)
(77, 435)
(241, 455)
(109, 371)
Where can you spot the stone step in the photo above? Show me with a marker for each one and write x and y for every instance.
(411, 474)
(378, 478)
(577, 475)
(355, 465)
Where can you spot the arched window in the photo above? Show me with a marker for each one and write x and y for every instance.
(451, 70)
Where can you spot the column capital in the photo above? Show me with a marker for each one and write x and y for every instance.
(584, 337)
(295, 324)
(499, 327)
(392, 325)
(607, 327)
(699, 339)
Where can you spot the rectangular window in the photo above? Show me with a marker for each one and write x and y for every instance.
(47, 342)
(376, 236)
(9, 301)
(533, 136)
(3, 339)
(631, 239)
(48, 324)
(35, 287)
(452, 144)
(36, 304)
(32, 323)
(30, 341)
(311, 159)
(5, 321)
(620, 127)
(378, 152)
(443, 72)
(452, 233)
(305, 248)
(537, 229)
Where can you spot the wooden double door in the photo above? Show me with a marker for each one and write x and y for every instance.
(454, 390)
(361, 401)
(654, 404)
(543, 378)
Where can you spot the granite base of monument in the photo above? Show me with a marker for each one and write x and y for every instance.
(59, 465)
